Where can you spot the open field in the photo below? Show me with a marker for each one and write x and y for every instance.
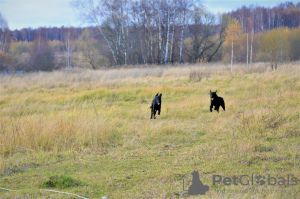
(89, 132)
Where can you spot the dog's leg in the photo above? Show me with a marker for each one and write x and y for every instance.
(159, 111)
(217, 108)
(211, 106)
(223, 104)
(152, 109)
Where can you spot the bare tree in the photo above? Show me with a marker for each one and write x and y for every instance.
(42, 55)
(200, 45)
(93, 13)
(224, 23)
(145, 31)
(89, 49)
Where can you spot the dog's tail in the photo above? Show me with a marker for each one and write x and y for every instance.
(222, 103)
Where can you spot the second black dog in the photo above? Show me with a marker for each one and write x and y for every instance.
(156, 105)
(216, 101)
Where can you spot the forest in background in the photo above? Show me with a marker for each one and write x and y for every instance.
(124, 32)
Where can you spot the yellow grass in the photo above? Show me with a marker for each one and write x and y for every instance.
(95, 127)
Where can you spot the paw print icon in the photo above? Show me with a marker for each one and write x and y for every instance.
(260, 180)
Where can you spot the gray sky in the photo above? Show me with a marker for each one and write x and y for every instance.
(228, 5)
(56, 13)
(38, 13)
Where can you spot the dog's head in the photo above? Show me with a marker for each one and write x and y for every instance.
(157, 99)
(213, 95)
(195, 174)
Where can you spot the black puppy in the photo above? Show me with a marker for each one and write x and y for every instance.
(156, 105)
(216, 101)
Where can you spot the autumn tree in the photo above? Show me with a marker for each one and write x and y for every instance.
(293, 38)
(232, 33)
(275, 46)
(5, 61)
(283, 15)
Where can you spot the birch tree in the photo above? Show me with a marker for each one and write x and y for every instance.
(168, 32)
(5, 59)
(4, 33)
(185, 6)
(232, 33)
(251, 24)
(173, 13)
(68, 34)
(247, 32)
(172, 40)
(159, 22)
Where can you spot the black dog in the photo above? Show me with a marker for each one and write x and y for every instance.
(156, 105)
(216, 101)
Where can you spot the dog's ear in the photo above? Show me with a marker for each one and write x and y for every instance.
(156, 94)
(161, 94)
(209, 90)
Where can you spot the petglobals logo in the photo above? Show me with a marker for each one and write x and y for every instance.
(192, 182)
(252, 180)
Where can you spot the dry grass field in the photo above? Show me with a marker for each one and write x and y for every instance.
(89, 132)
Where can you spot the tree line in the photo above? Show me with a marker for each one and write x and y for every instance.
(262, 19)
(259, 19)
(126, 32)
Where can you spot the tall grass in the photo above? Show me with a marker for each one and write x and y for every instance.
(106, 112)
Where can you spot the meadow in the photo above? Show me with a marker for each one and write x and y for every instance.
(89, 132)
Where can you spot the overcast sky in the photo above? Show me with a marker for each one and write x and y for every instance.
(56, 13)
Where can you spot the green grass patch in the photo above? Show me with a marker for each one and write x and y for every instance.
(61, 182)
